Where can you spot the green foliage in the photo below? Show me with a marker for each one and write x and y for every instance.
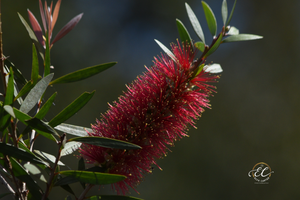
(195, 23)
(210, 18)
(183, 33)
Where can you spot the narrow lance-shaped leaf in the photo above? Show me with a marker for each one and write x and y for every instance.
(184, 34)
(35, 94)
(55, 13)
(215, 46)
(224, 11)
(95, 178)
(241, 37)
(35, 66)
(106, 142)
(36, 27)
(4, 118)
(233, 31)
(210, 18)
(195, 23)
(83, 73)
(231, 13)
(69, 148)
(18, 153)
(38, 124)
(9, 110)
(48, 157)
(67, 28)
(73, 130)
(45, 108)
(9, 96)
(71, 109)
(18, 76)
(166, 50)
(200, 45)
(27, 87)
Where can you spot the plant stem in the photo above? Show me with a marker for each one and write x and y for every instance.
(1, 55)
(85, 191)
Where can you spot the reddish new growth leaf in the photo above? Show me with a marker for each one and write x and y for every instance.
(153, 113)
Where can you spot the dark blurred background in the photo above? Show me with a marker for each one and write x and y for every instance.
(254, 116)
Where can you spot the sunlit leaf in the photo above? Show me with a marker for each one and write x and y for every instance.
(200, 45)
(27, 87)
(166, 50)
(35, 171)
(71, 109)
(210, 18)
(233, 31)
(73, 130)
(35, 66)
(195, 23)
(45, 108)
(55, 13)
(106, 142)
(224, 11)
(48, 157)
(95, 178)
(183, 33)
(67, 28)
(213, 68)
(9, 97)
(35, 94)
(9, 110)
(20, 173)
(241, 37)
(83, 73)
(69, 148)
(231, 13)
(18, 153)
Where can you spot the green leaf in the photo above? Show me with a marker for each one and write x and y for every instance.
(241, 37)
(31, 34)
(35, 94)
(18, 153)
(35, 66)
(69, 148)
(68, 189)
(113, 197)
(183, 33)
(224, 11)
(9, 110)
(26, 88)
(81, 166)
(40, 126)
(213, 68)
(95, 178)
(47, 58)
(48, 157)
(106, 142)
(24, 117)
(215, 45)
(231, 13)
(73, 130)
(71, 109)
(17, 74)
(210, 18)
(166, 50)
(233, 31)
(83, 73)
(45, 108)
(4, 118)
(21, 174)
(200, 45)
(195, 23)
(9, 97)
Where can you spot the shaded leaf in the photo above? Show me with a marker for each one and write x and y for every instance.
(45, 108)
(67, 28)
(41, 126)
(215, 46)
(35, 171)
(81, 166)
(113, 197)
(241, 37)
(17, 74)
(18, 153)
(65, 181)
(35, 94)
(73, 130)
(48, 157)
(231, 13)
(106, 142)
(21, 174)
(4, 118)
(166, 50)
(83, 73)
(224, 11)
(213, 68)
(71, 109)
(183, 33)
(200, 45)
(36, 27)
(95, 178)
(195, 23)
(68, 189)
(9, 97)
(210, 18)
(68, 197)
(69, 148)
(35, 66)
(47, 57)
(5, 194)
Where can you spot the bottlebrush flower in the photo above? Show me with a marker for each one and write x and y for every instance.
(153, 113)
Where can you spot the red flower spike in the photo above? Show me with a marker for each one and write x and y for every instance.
(153, 113)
